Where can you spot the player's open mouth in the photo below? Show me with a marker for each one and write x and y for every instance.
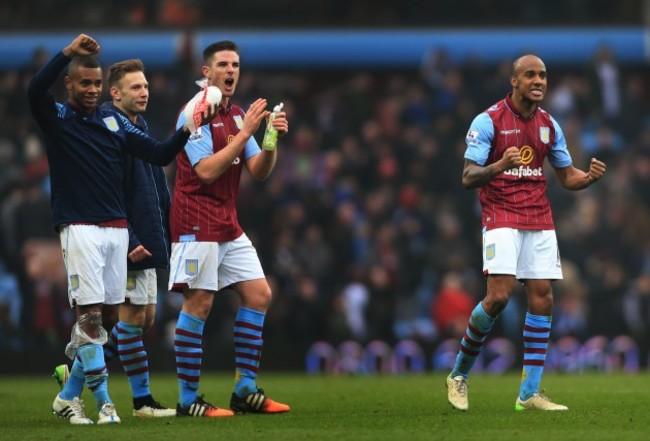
(229, 82)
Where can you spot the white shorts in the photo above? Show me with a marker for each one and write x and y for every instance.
(525, 254)
(142, 287)
(95, 260)
(213, 265)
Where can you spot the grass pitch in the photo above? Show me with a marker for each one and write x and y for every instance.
(409, 407)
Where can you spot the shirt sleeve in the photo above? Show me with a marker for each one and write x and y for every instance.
(559, 156)
(479, 139)
(42, 103)
(251, 148)
(197, 147)
(139, 144)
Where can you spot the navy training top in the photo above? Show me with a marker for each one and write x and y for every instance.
(147, 202)
(86, 152)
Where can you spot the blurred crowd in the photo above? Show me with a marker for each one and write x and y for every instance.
(364, 229)
(137, 14)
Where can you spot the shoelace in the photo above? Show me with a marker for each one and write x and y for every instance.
(156, 405)
(202, 402)
(461, 386)
(107, 409)
(77, 406)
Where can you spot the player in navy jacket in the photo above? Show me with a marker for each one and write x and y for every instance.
(146, 194)
(147, 202)
(147, 206)
(86, 148)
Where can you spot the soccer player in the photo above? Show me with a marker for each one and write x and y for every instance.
(86, 147)
(147, 207)
(210, 251)
(506, 148)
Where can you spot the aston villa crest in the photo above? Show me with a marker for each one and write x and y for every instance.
(74, 282)
(490, 252)
(111, 123)
(131, 283)
(544, 134)
(191, 267)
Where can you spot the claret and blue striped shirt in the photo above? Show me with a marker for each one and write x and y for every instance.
(208, 212)
(516, 198)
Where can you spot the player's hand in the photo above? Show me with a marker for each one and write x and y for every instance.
(82, 46)
(511, 158)
(254, 116)
(596, 169)
(138, 254)
(281, 124)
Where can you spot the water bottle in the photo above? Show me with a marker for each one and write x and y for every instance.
(271, 134)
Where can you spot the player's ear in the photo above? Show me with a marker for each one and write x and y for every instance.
(514, 82)
(115, 93)
(68, 82)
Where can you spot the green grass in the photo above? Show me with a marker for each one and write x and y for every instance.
(601, 407)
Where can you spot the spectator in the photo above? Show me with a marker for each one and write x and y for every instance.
(452, 306)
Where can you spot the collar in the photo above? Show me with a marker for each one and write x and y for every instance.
(226, 109)
(79, 110)
(511, 106)
(139, 120)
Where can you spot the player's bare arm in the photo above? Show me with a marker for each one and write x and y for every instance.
(209, 169)
(82, 46)
(572, 178)
(475, 175)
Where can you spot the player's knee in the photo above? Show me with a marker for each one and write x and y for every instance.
(540, 297)
(266, 295)
(205, 305)
(87, 330)
(542, 301)
(138, 317)
(546, 293)
(495, 302)
(148, 323)
(198, 303)
(110, 316)
(91, 324)
(259, 299)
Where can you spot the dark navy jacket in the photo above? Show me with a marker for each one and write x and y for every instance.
(86, 152)
(147, 205)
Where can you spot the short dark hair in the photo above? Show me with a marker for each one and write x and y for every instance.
(118, 70)
(90, 62)
(223, 45)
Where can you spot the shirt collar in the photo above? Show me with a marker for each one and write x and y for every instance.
(511, 106)
(79, 110)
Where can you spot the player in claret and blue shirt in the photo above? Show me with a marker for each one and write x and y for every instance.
(86, 148)
(210, 250)
(506, 148)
